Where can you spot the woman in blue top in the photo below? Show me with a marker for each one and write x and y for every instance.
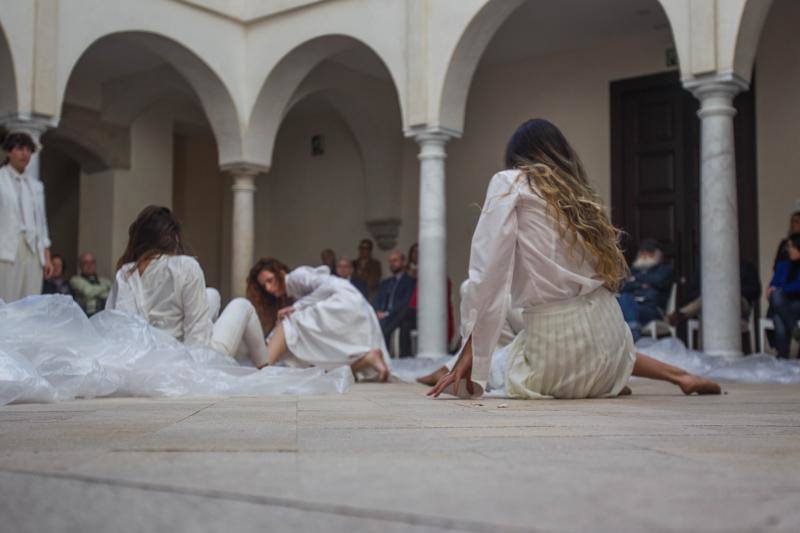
(784, 295)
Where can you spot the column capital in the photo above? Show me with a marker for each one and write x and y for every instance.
(425, 133)
(728, 84)
(243, 168)
(33, 125)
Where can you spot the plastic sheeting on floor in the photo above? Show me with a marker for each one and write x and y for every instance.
(50, 351)
(755, 368)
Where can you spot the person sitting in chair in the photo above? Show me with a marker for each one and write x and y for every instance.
(643, 297)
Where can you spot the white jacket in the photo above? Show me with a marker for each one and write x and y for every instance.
(10, 223)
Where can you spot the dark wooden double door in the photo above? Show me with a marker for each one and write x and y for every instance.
(655, 143)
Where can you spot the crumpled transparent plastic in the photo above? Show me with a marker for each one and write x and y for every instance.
(755, 368)
(50, 351)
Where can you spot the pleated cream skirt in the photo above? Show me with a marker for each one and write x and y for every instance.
(580, 348)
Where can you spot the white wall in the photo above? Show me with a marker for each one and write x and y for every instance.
(777, 86)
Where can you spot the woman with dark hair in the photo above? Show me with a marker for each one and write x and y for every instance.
(159, 282)
(24, 237)
(267, 272)
(544, 234)
(328, 324)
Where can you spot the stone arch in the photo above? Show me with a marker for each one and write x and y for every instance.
(280, 86)
(466, 55)
(213, 95)
(748, 35)
(9, 103)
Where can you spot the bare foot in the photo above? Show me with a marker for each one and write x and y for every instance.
(433, 378)
(374, 360)
(626, 391)
(689, 383)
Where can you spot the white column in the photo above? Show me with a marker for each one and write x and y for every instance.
(719, 224)
(35, 127)
(432, 270)
(243, 224)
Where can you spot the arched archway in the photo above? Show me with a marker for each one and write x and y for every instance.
(282, 82)
(9, 104)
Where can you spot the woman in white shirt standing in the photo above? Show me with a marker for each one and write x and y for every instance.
(544, 236)
(158, 282)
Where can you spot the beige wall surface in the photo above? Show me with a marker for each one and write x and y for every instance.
(777, 86)
(307, 203)
(197, 200)
(61, 177)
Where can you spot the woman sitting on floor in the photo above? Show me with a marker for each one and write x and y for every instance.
(157, 281)
(329, 324)
(543, 232)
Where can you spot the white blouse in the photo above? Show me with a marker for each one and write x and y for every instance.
(170, 295)
(517, 249)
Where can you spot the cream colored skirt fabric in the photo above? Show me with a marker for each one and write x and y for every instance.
(580, 348)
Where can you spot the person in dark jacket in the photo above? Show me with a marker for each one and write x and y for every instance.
(782, 254)
(643, 297)
(344, 269)
(391, 303)
(783, 294)
(58, 283)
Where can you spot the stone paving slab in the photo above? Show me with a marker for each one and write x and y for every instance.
(384, 457)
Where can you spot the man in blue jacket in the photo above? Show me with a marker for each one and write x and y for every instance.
(784, 296)
(643, 297)
(391, 303)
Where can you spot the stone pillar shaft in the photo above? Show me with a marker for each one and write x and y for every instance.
(432, 270)
(719, 225)
(242, 227)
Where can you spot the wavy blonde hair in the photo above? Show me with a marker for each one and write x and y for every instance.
(554, 172)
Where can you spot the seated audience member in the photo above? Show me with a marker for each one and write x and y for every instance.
(57, 284)
(391, 303)
(644, 295)
(328, 258)
(413, 254)
(794, 227)
(750, 289)
(367, 268)
(783, 294)
(344, 269)
(90, 290)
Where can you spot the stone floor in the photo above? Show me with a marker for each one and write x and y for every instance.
(384, 457)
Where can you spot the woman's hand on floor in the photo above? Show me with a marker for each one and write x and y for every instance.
(462, 370)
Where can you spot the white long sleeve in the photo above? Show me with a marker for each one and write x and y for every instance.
(517, 247)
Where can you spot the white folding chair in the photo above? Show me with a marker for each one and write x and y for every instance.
(662, 328)
(693, 328)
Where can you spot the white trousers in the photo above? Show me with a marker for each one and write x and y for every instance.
(23, 277)
(238, 325)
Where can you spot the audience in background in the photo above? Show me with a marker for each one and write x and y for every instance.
(392, 303)
(783, 294)
(643, 297)
(367, 268)
(794, 227)
(413, 255)
(328, 258)
(344, 269)
(57, 284)
(89, 289)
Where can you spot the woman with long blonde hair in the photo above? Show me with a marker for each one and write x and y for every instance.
(544, 236)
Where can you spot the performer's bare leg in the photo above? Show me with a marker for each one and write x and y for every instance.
(647, 367)
(372, 359)
(432, 378)
(277, 349)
